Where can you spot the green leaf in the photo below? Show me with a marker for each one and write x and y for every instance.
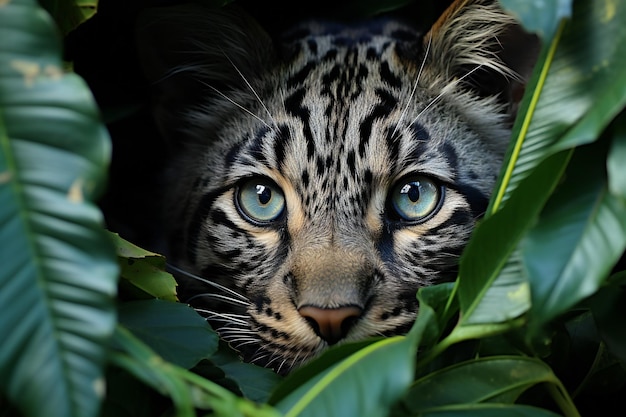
(581, 234)
(66, 13)
(173, 330)
(491, 288)
(186, 389)
(310, 370)
(490, 410)
(540, 16)
(578, 87)
(144, 270)
(442, 307)
(365, 384)
(254, 382)
(476, 381)
(58, 275)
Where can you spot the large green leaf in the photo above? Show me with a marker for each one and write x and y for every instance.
(578, 87)
(254, 382)
(318, 365)
(58, 274)
(173, 330)
(187, 390)
(571, 76)
(477, 381)
(492, 288)
(580, 236)
(490, 410)
(367, 383)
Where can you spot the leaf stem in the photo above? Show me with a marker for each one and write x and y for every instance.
(562, 399)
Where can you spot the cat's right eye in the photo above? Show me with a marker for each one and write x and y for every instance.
(414, 199)
(260, 201)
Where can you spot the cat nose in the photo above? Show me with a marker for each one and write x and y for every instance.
(331, 324)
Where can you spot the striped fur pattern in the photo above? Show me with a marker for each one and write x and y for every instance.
(333, 118)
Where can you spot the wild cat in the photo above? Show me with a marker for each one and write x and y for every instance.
(321, 177)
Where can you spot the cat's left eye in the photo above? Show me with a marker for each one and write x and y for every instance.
(260, 200)
(414, 199)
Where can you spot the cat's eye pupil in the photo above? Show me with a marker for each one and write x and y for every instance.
(259, 200)
(414, 199)
(264, 193)
(412, 190)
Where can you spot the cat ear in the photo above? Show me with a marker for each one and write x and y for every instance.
(480, 46)
(191, 53)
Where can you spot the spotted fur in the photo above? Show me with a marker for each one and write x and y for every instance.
(335, 117)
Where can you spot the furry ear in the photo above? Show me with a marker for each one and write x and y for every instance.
(191, 53)
(479, 44)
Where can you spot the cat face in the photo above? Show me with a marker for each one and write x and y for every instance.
(325, 180)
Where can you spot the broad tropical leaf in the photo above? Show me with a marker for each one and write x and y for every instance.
(254, 382)
(187, 390)
(498, 378)
(366, 384)
(492, 288)
(580, 236)
(58, 275)
(173, 330)
(490, 410)
(577, 89)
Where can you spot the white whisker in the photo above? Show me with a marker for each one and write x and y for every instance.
(174, 269)
(238, 105)
(213, 315)
(445, 91)
(220, 297)
(410, 99)
(256, 95)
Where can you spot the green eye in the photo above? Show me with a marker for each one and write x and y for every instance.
(260, 200)
(415, 198)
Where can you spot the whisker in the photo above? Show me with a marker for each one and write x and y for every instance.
(252, 89)
(243, 341)
(174, 269)
(257, 358)
(272, 359)
(238, 105)
(222, 316)
(281, 366)
(410, 99)
(220, 297)
(445, 91)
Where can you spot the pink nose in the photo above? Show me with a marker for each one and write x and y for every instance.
(331, 324)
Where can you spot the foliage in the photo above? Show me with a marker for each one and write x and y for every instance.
(533, 325)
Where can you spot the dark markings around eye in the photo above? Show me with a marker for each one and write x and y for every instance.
(477, 200)
(193, 229)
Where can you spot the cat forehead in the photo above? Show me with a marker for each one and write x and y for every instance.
(355, 111)
(347, 100)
